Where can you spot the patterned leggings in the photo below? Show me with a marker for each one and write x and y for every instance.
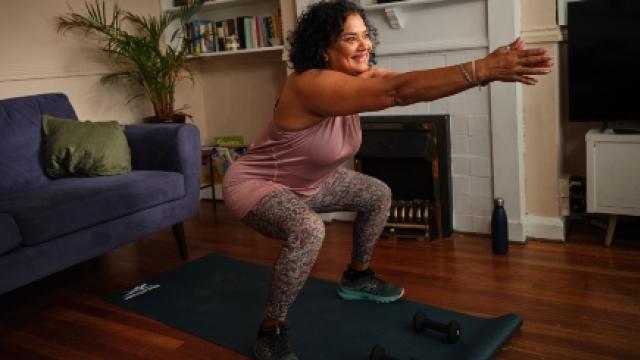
(284, 215)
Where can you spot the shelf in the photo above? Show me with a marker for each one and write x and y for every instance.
(395, 11)
(224, 11)
(399, 4)
(218, 4)
(235, 52)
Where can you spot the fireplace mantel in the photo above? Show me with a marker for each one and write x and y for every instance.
(396, 11)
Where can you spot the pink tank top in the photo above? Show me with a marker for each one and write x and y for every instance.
(299, 161)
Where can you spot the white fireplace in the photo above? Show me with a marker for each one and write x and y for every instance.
(486, 140)
(486, 123)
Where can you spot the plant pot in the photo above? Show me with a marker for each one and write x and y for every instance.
(175, 118)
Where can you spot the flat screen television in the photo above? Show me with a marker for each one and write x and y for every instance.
(604, 61)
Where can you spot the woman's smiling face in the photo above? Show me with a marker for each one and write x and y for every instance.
(350, 52)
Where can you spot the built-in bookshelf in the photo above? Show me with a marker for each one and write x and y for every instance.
(236, 52)
(227, 27)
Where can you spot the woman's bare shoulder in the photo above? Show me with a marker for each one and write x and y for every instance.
(326, 93)
(290, 112)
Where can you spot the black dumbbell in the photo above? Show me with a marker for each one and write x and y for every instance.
(452, 329)
(378, 353)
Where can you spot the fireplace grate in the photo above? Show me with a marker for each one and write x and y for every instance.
(411, 219)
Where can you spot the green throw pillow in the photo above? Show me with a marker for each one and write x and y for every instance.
(84, 148)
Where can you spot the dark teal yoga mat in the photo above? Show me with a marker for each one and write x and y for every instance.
(223, 300)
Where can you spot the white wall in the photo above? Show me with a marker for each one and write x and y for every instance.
(239, 93)
(36, 59)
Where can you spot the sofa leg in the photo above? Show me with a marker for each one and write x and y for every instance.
(178, 233)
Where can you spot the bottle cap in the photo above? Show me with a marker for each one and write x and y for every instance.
(499, 201)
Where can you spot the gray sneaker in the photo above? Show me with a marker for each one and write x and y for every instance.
(273, 344)
(364, 285)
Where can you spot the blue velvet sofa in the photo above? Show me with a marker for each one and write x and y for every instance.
(47, 225)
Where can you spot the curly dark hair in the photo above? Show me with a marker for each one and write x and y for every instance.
(318, 27)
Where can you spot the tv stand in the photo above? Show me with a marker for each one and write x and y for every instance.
(620, 127)
(613, 170)
(626, 131)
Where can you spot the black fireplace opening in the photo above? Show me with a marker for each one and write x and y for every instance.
(411, 154)
(409, 178)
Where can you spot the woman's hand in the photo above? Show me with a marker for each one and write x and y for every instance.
(514, 63)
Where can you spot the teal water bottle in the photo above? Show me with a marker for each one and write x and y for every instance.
(499, 228)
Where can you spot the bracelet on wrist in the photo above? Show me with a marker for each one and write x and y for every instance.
(472, 78)
(474, 73)
(465, 74)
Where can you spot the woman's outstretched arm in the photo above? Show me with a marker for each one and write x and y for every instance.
(325, 92)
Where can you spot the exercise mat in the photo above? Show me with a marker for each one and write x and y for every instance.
(223, 300)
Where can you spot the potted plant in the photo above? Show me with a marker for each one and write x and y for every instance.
(144, 61)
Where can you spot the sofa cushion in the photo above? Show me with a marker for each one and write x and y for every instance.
(21, 138)
(9, 233)
(84, 148)
(69, 204)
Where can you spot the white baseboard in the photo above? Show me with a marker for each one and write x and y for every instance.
(546, 227)
(541, 227)
(517, 232)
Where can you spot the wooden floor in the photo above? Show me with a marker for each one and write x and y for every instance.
(579, 300)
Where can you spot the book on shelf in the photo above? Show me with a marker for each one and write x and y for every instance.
(266, 30)
(248, 38)
(240, 28)
(250, 32)
(259, 31)
(211, 35)
(220, 35)
(198, 37)
(278, 29)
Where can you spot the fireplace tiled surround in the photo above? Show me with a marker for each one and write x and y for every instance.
(441, 34)
(470, 137)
